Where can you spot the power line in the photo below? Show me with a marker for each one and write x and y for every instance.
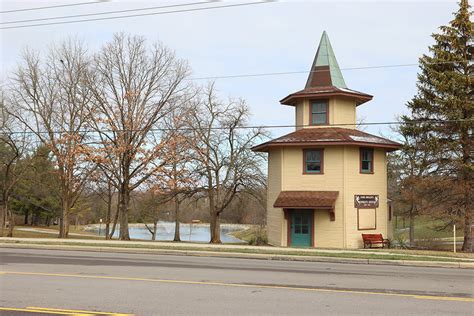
(108, 12)
(254, 127)
(55, 6)
(139, 15)
(268, 74)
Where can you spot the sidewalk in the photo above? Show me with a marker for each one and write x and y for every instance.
(243, 251)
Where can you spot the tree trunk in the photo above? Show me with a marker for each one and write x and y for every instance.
(27, 213)
(466, 175)
(117, 212)
(215, 228)
(467, 244)
(124, 206)
(3, 221)
(108, 214)
(155, 227)
(107, 230)
(412, 227)
(176, 220)
(64, 223)
(11, 216)
(64, 226)
(11, 222)
(35, 218)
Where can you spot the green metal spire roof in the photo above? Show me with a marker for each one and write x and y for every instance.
(325, 70)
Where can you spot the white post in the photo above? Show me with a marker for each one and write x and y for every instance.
(454, 233)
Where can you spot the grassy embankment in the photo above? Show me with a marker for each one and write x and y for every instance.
(255, 235)
(426, 228)
(49, 232)
(428, 234)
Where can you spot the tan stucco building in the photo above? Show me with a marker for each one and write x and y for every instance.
(327, 181)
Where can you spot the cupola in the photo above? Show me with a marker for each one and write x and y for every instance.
(326, 99)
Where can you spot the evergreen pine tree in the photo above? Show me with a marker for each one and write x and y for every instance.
(445, 98)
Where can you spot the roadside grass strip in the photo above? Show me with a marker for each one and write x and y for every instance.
(189, 249)
(244, 285)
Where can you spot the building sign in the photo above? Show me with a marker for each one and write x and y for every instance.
(366, 201)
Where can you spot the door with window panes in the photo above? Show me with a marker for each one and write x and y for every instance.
(301, 228)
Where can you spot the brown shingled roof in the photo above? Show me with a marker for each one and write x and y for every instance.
(306, 199)
(330, 136)
(327, 91)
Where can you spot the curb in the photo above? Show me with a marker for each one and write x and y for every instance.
(237, 255)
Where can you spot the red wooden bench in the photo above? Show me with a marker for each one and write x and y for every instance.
(374, 239)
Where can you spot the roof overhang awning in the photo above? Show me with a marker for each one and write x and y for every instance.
(310, 94)
(324, 200)
(329, 136)
(266, 146)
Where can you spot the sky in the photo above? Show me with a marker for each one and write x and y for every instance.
(280, 36)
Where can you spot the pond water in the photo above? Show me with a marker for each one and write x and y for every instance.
(165, 232)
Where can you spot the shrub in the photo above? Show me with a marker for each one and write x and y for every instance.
(400, 239)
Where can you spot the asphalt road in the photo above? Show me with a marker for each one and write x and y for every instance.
(184, 285)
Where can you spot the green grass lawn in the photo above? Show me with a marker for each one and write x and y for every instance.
(426, 227)
(428, 234)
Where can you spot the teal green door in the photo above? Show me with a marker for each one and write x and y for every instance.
(301, 228)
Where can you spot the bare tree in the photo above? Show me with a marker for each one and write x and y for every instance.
(221, 148)
(406, 170)
(13, 147)
(178, 180)
(134, 88)
(150, 206)
(50, 100)
(106, 189)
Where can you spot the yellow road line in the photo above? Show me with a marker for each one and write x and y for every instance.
(444, 298)
(76, 311)
(282, 287)
(40, 312)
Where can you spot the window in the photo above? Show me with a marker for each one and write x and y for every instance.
(301, 223)
(319, 112)
(366, 160)
(313, 161)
